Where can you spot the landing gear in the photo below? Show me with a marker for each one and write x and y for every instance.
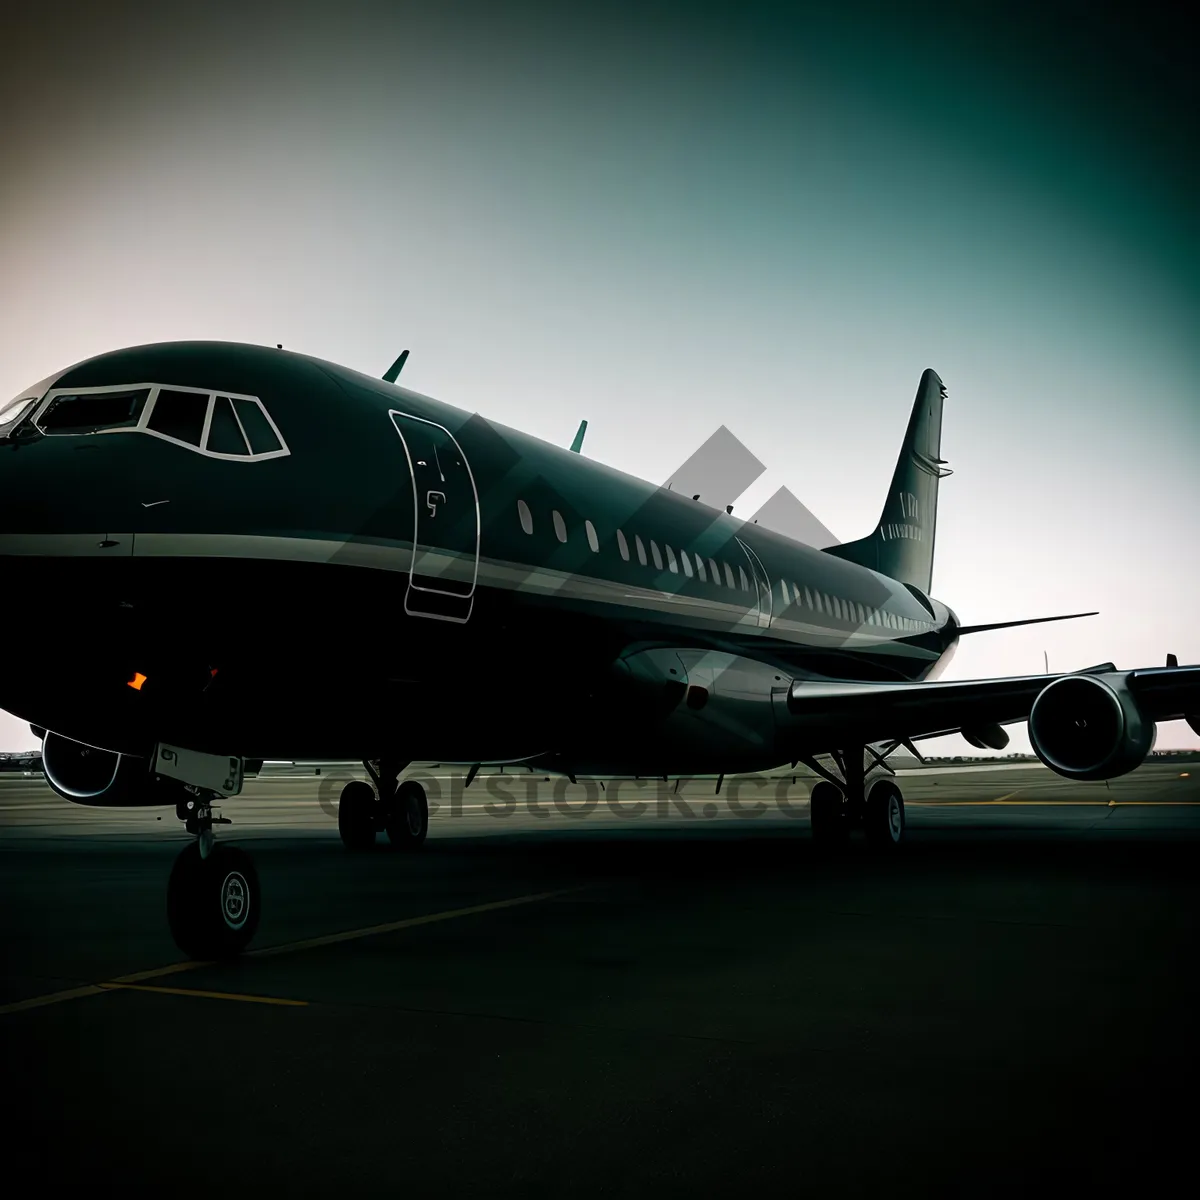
(883, 817)
(400, 811)
(837, 806)
(827, 814)
(213, 903)
(408, 819)
(213, 896)
(356, 815)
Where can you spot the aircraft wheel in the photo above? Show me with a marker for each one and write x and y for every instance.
(213, 903)
(827, 814)
(408, 820)
(884, 818)
(356, 815)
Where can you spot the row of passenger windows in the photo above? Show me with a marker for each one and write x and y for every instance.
(232, 426)
(849, 610)
(722, 574)
(694, 565)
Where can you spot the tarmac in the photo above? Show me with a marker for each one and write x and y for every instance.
(561, 994)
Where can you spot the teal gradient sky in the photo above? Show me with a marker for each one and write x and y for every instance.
(664, 219)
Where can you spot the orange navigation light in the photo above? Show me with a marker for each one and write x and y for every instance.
(137, 681)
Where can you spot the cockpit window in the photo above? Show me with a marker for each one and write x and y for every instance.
(224, 430)
(12, 414)
(258, 429)
(236, 428)
(91, 413)
(179, 415)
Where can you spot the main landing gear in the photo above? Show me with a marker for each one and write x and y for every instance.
(836, 807)
(213, 896)
(400, 810)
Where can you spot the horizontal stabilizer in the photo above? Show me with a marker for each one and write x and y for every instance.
(1030, 621)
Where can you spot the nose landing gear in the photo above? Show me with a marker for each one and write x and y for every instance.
(214, 900)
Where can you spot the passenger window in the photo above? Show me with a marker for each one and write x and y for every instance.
(224, 432)
(179, 415)
(700, 569)
(90, 414)
(745, 581)
(654, 554)
(640, 548)
(672, 565)
(783, 589)
(716, 571)
(729, 575)
(256, 426)
(685, 558)
(525, 515)
(560, 526)
(622, 545)
(807, 596)
(593, 540)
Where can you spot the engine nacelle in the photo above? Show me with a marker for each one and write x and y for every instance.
(1089, 727)
(101, 778)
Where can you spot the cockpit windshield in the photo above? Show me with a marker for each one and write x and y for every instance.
(92, 413)
(13, 413)
(230, 427)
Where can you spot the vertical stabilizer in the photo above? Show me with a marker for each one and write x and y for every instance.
(901, 546)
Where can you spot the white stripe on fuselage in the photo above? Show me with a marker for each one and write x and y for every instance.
(396, 556)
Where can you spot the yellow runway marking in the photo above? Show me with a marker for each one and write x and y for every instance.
(53, 998)
(159, 972)
(947, 803)
(133, 981)
(170, 991)
(332, 939)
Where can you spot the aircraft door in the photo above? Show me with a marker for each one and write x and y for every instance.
(445, 555)
(762, 585)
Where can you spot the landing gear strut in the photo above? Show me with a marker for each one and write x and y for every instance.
(213, 897)
(402, 811)
(836, 806)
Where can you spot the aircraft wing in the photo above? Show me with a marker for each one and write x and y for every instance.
(872, 712)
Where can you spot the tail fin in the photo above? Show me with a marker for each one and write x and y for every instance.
(902, 545)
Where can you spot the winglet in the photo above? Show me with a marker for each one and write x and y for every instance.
(577, 444)
(393, 372)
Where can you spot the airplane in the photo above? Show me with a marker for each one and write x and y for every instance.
(217, 554)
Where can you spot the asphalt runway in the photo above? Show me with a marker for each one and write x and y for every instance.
(559, 996)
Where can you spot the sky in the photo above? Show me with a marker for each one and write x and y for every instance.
(665, 218)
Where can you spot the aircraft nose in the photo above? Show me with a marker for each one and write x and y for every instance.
(59, 497)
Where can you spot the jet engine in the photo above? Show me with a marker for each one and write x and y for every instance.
(101, 778)
(1089, 727)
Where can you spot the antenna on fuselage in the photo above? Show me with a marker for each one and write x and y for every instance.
(393, 372)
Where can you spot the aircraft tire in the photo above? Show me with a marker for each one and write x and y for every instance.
(883, 821)
(356, 815)
(213, 903)
(408, 822)
(827, 814)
